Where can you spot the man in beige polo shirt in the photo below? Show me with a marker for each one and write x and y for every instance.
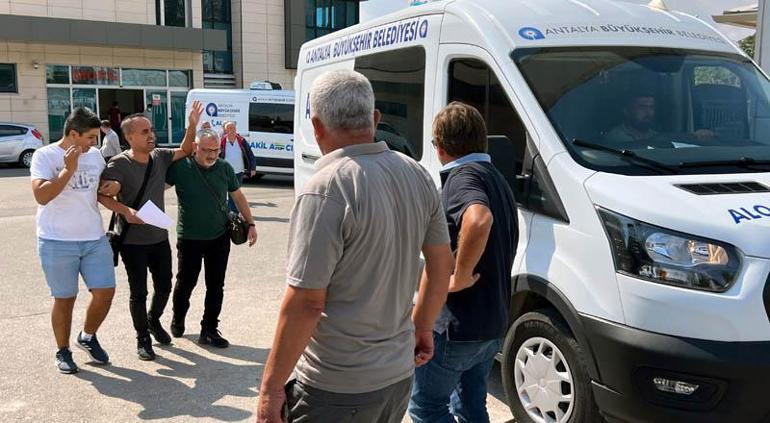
(357, 229)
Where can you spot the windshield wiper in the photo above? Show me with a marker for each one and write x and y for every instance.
(628, 155)
(744, 162)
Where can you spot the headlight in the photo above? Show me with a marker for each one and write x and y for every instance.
(661, 255)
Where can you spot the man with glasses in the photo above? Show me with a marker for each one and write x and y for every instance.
(202, 185)
(142, 169)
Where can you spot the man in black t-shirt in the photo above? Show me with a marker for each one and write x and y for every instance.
(481, 214)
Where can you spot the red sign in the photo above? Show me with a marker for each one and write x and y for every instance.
(95, 75)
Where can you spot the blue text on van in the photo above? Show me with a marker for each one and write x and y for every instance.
(751, 213)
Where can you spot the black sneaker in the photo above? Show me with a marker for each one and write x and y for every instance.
(214, 338)
(93, 349)
(176, 329)
(144, 348)
(157, 332)
(65, 363)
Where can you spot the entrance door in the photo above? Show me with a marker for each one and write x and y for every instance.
(178, 118)
(159, 114)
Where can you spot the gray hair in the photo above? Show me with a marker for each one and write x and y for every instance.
(343, 99)
(206, 133)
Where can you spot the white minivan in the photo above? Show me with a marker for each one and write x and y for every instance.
(265, 118)
(637, 143)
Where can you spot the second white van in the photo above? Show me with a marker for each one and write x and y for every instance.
(264, 117)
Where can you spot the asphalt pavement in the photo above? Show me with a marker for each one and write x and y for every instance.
(188, 382)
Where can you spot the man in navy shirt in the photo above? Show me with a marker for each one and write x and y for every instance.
(481, 214)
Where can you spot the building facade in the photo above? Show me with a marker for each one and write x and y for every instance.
(142, 55)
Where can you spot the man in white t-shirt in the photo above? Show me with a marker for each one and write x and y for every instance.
(111, 142)
(71, 241)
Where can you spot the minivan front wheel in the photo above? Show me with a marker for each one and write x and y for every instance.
(544, 372)
(25, 159)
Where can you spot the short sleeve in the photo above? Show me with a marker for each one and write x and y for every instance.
(114, 170)
(233, 184)
(438, 232)
(40, 168)
(465, 189)
(173, 171)
(165, 157)
(315, 241)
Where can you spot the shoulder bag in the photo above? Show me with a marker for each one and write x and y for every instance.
(237, 227)
(116, 239)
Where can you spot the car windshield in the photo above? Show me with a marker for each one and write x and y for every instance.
(641, 111)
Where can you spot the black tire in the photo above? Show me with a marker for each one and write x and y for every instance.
(25, 158)
(546, 323)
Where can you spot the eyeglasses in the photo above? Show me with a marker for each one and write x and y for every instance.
(210, 150)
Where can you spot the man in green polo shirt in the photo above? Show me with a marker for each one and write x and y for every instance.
(202, 184)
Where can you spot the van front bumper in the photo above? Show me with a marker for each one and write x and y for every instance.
(733, 378)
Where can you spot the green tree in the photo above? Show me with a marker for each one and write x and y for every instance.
(747, 44)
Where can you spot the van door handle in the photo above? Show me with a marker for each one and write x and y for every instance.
(525, 177)
(310, 157)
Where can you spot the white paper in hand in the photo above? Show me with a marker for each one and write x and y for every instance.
(152, 215)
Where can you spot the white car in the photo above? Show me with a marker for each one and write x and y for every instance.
(18, 142)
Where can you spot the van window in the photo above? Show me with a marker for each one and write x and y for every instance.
(398, 80)
(472, 82)
(269, 117)
(680, 111)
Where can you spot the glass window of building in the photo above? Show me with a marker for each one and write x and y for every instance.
(58, 110)
(398, 80)
(172, 12)
(144, 77)
(326, 16)
(56, 74)
(217, 14)
(179, 78)
(8, 83)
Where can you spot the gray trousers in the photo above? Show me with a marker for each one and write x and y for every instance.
(310, 405)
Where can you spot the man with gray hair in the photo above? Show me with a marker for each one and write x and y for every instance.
(357, 230)
(202, 184)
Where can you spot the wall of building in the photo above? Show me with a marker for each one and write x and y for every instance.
(126, 11)
(260, 34)
(30, 104)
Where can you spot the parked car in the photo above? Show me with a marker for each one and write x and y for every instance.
(18, 142)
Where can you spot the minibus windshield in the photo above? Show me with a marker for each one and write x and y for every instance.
(690, 112)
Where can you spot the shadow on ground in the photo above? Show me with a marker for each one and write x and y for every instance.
(272, 181)
(186, 384)
(9, 171)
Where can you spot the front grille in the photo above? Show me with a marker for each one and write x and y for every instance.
(726, 188)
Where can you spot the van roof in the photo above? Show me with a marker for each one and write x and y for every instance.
(549, 23)
(255, 96)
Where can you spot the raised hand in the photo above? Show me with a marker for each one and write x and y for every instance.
(71, 157)
(195, 114)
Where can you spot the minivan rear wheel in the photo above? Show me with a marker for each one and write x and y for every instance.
(544, 372)
(25, 159)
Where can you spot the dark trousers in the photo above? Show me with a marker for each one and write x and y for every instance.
(311, 405)
(191, 253)
(138, 259)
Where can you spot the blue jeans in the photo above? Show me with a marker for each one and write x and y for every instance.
(230, 203)
(454, 383)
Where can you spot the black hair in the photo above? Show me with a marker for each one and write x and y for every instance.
(81, 120)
